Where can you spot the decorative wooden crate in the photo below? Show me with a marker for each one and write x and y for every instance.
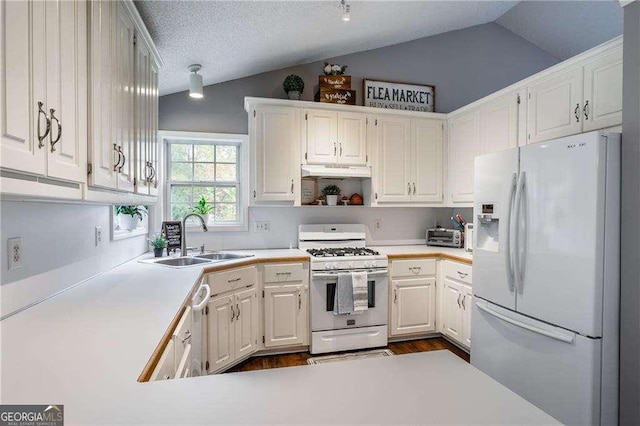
(337, 96)
(334, 81)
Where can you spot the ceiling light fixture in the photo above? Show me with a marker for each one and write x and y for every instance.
(195, 81)
(346, 11)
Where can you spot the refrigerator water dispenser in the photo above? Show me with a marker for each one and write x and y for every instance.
(488, 231)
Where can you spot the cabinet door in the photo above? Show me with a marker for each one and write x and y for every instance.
(426, 161)
(276, 138)
(322, 136)
(153, 148)
(246, 322)
(21, 121)
(413, 307)
(467, 307)
(452, 309)
(603, 92)
(124, 96)
(464, 146)
(352, 138)
(221, 341)
(284, 316)
(166, 368)
(66, 74)
(393, 136)
(555, 107)
(499, 124)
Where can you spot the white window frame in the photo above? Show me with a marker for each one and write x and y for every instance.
(242, 141)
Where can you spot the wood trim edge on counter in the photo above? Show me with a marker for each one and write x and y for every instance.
(429, 256)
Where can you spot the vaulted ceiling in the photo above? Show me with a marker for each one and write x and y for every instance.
(235, 39)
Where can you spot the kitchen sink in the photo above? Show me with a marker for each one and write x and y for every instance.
(181, 261)
(221, 256)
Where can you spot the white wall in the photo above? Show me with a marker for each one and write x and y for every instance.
(58, 248)
(399, 225)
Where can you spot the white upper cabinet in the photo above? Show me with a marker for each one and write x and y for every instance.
(44, 127)
(275, 145)
(464, 146)
(393, 141)
(555, 106)
(602, 105)
(426, 161)
(335, 137)
(499, 123)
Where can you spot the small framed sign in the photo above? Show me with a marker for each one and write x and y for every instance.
(400, 96)
(172, 231)
(309, 190)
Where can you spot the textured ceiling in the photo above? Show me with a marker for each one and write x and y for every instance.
(234, 39)
(564, 28)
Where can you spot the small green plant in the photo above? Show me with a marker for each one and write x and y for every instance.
(133, 211)
(159, 242)
(293, 83)
(202, 207)
(331, 190)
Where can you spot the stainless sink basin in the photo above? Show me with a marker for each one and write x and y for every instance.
(221, 256)
(181, 261)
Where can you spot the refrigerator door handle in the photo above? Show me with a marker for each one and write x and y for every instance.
(508, 251)
(566, 338)
(516, 248)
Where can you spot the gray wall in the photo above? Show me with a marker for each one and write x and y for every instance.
(630, 291)
(464, 65)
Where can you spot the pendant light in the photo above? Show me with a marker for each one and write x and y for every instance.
(346, 11)
(195, 81)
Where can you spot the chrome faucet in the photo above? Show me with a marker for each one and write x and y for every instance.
(183, 248)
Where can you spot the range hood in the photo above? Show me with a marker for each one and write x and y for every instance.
(336, 171)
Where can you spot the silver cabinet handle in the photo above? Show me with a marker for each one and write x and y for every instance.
(335, 149)
(123, 158)
(147, 171)
(408, 188)
(233, 313)
(459, 301)
(119, 154)
(463, 274)
(463, 299)
(51, 140)
(416, 269)
(47, 130)
(340, 149)
(237, 312)
(187, 336)
(395, 295)
(585, 110)
(575, 112)
(414, 188)
(292, 186)
(299, 301)
(234, 280)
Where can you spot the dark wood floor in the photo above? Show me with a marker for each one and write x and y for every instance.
(399, 348)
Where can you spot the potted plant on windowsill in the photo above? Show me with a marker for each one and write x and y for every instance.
(159, 243)
(331, 193)
(203, 209)
(293, 86)
(130, 216)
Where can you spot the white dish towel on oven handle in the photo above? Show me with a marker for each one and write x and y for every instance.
(360, 284)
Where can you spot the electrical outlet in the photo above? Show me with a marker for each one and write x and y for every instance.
(15, 253)
(377, 224)
(98, 235)
(262, 226)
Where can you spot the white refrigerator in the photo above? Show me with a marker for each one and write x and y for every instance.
(546, 267)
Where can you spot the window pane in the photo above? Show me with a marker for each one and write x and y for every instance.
(181, 171)
(181, 152)
(227, 153)
(226, 213)
(204, 153)
(207, 191)
(181, 194)
(226, 172)
(203, 172)
(178, 211)
(226, 194)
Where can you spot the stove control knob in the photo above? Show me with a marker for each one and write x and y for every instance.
(335, 266)
(368, 264)
(327, 266)
(350, 265)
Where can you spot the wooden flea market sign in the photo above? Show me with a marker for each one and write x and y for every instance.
(406, 97)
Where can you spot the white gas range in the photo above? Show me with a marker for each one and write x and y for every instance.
(337, 249)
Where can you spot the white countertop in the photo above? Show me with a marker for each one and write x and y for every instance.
(86, 347)
(422, 249)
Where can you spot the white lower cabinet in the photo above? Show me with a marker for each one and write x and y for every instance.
(221, 340)
(455, 302)
(285, 315)
(413, 306)
(246, 322)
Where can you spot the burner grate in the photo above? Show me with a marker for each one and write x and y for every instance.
(342, 251)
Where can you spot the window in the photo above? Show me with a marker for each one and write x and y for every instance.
(209, 166)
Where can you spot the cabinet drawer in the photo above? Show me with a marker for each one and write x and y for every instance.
(285, 272)
(221, 282)
(413, 267)
(457, 271)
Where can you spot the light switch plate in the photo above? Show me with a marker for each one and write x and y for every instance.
(15, 252)
(98, 235)
(262, 226)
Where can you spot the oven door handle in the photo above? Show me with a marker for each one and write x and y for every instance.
(335, 275)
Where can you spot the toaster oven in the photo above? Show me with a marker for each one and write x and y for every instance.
(444, 237)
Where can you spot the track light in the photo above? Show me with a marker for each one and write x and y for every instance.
(195, 81)
(346, 11)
